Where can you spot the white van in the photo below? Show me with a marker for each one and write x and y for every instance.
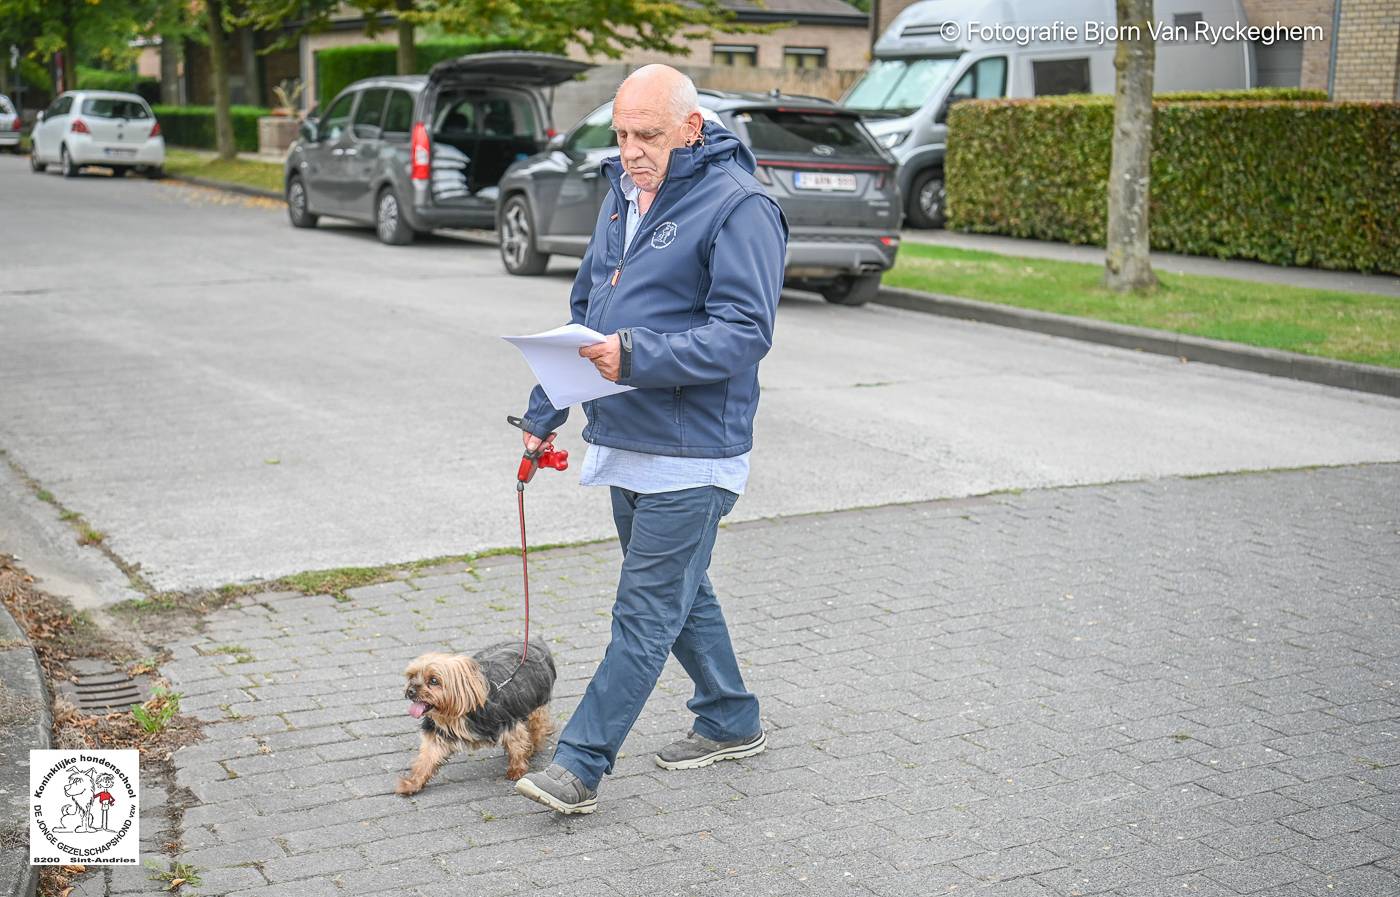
(940, 51)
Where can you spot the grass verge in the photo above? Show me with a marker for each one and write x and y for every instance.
(246, 172)
(1357, 327)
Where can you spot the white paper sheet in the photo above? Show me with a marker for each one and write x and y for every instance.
(567, 377)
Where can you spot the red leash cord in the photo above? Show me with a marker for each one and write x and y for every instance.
(524, 567)
(544, 455)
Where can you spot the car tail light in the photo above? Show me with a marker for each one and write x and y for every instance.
(80, 127)
(890, 241)
(761, 175)
(422, 153)
(155, 129)
(17, 123)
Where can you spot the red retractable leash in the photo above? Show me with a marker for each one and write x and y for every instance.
(546, 455)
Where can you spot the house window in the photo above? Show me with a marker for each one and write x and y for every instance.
(804, 57)
(1185, 23)
(739, 55)
(1279, 64)
(1054, 77)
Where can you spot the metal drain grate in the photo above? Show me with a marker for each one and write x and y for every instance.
(102, 688)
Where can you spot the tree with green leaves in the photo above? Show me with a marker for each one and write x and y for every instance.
(597, 27)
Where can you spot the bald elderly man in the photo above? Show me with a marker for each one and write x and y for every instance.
(683, 273)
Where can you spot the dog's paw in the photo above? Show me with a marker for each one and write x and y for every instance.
(514, 774)
(405, 787)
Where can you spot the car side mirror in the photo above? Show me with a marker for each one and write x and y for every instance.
(556, 142)
(308, 131)
(39, 116)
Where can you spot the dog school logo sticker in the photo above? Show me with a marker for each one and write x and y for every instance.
(663, 235)
(84, 807)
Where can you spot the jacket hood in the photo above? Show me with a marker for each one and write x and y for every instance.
(718, 143)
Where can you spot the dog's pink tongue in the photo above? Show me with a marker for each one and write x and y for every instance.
(417, 709)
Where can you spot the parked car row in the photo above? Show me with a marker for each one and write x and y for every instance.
(97, 127)
(471, 144)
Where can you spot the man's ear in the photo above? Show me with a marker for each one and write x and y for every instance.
(693, 123)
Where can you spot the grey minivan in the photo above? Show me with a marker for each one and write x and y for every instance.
(417, 152)
(834, 182)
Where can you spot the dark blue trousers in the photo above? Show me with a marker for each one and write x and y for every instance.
(665, 604)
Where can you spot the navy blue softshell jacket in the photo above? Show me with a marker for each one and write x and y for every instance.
(692, 301)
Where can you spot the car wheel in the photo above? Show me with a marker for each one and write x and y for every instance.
(155, 172)
(65, 162)
(389, 222)
(517, 230)
(120, 171)
(852, 289)
(34, 164)
(297, 205)
(928, 200)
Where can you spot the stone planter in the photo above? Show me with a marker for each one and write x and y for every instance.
(275, 134)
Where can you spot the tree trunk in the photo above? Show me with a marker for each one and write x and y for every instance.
(170, 70)
(218, 74)
(252, 80)
(408, 53)
(1127, 264)
(68, 62)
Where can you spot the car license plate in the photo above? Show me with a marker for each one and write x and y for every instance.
(824, 180)
(118, 151)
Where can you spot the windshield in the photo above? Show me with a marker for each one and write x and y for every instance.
(899, 86)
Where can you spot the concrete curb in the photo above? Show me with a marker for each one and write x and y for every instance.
(1276, 363)
(225, 185)
(23, 681)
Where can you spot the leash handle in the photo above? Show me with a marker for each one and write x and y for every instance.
(545, 455)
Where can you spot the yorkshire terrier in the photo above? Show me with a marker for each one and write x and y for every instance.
(472, 702)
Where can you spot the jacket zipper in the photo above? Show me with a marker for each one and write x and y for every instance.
(631, 251)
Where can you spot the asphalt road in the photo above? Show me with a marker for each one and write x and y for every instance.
(227, 398)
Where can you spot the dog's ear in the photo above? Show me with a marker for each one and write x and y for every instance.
(463, 684)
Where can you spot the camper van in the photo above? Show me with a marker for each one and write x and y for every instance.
(938, 52)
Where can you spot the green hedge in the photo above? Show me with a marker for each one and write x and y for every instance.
(1288, 183)
(126, 82)
(1261, 94)
(339, 67)
(194, 126)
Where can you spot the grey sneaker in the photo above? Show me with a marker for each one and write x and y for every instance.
(694, 751)
(558, 789)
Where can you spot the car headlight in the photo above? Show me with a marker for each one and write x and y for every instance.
(893, 139)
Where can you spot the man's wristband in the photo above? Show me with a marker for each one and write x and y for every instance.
(624, 339)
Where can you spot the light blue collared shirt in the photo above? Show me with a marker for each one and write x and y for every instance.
(642, 471)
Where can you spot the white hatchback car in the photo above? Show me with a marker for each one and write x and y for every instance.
(10, 125)
(98, 127)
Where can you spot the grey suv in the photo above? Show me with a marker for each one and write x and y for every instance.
(836, 185)
(417, 152)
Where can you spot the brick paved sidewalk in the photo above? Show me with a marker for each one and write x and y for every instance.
(1161, 688)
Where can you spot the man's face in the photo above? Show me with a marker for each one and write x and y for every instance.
(646, 133)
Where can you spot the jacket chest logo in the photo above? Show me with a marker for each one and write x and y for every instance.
(664, 234)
